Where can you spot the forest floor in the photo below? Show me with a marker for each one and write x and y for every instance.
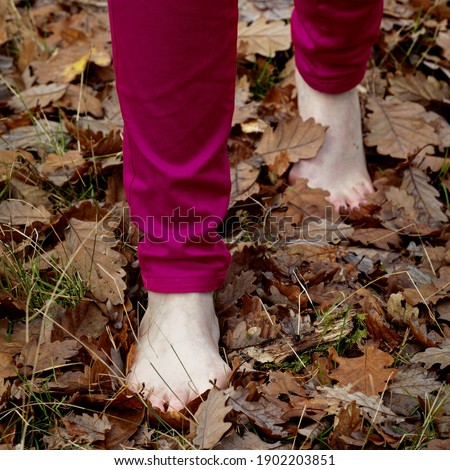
(337, 326)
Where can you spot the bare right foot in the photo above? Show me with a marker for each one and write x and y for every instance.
(177, 350)
(340, 166)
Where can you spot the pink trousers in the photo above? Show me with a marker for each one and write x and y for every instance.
(175, 65)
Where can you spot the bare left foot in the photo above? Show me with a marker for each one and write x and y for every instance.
(340, 166)
(177, 355)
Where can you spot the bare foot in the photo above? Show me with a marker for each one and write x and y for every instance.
(177, 350)
(340, 166)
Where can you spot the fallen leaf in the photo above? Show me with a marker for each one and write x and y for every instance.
(305, 203)
(443, 41)
(426, 197)
(90, 247)
(266, 415)
(378, 237)
(367, 374)
(85, 429)
(399, 310)
(294, 138)
(398, 129)
(346, 422)
(47, 356)
(249, 441)
(336, 397)
(60, 169)
(418, 88)
(11, 158)
(414, 382)
(16, 212)
(209, 424)
(263, 37)
(39, 95)
(243, 180)
(432, 356)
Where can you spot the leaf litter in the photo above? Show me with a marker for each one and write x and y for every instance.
(336, 324)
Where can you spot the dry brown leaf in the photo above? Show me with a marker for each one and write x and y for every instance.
(303, 201)
(378, 237)
(243, 180)
(426, 197)
(399, 310)
(81, 99)
(346, 422)
(243, 110)
(30, 193)
(443, 40)
(432, 356)
(241, 284)
(7, 366)
(47, 356)
(414, 207)
(4, 5)
(249, 441)
(90, 246)
(16, 212)
(398, 129)
(39, 95)
(60, 169)
(367, 374)
(265, 414)
(86, 319)
(263, 37)
(37, 137)
(439, 444)
(336, 397)
(11, 158)
(418, 88)
(414, 382)
(85, 429)
(209, 421)
(294, 138)
(67, 63)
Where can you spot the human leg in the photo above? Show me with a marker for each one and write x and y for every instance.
(333, 40)
(175, 76)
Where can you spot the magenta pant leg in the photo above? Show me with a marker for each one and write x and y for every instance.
(333, 40)
(175, 64)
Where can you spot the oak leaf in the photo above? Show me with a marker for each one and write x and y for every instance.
(398, 129)
(415, 206)
(414, 382)
(85, 429)
(209, 420)
(243, 180)
(89, 246)
(11, 158)
(60, 169)
(16, 212)
(418, 88)
(303, 201)
(48, 355)
(378, 237)
(399, 310)
(336, 397)
(443, 40)
(263, 37)
(367, 374)
(294, 138)
(432, 356)
(426, 197)
(265, 414)
(249, 441)
(39, 95)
